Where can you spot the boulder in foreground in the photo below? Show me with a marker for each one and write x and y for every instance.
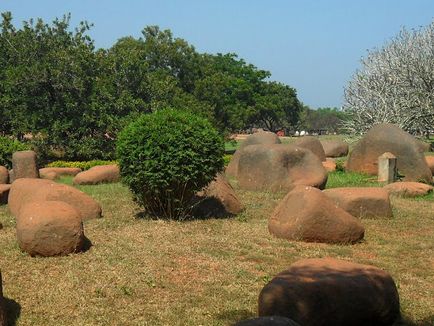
(384, 138)
(25, 190)
(327, 291)
(50, 228)
(98, 174)
(279, 167)
(307, 214)
(368, 202)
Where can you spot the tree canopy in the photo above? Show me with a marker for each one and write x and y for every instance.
(72, 99)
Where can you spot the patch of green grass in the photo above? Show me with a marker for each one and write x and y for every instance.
(351, 179)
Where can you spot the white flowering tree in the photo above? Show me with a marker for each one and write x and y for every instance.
(395, 85)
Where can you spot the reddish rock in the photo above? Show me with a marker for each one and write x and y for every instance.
(329, 165)
(430, 161)
(24, 165)
(50, 228)
(307, 214)
(4, 193)
(54, 173)
(27, 190)
(408, 189)
(4, 175)
(3, 317)
(334, 148)
(98, 174)
(362, 202)
(218, 199)
(279, 168)
(384, 138)
(313, 144)
(327, 291)
(260, 138)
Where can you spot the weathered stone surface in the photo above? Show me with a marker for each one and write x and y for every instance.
(260, 138)
(362, 202)
(327, 291)
(4, 193)
(408, 189)
(218, 199)
(3, 317)
(389, 138)
(387, 168)
(268, 321)
(11, 176)
(50, 228)
(54, 173)
(28, 190)
(430, 161)
(313, 144)
(98, 174)
(307, 214)
(334, 148)
(329, 164)
(423, 146)
(279, 168)
(4, 175)
(24, 165)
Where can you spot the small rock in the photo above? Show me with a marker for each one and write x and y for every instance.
(408, 189)
(98, 174)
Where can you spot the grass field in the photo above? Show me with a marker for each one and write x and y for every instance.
(203, 272)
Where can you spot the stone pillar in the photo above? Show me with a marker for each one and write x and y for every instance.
(387, 169)
(24, 165)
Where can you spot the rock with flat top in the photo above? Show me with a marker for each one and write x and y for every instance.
(408, 189)
(24, 165)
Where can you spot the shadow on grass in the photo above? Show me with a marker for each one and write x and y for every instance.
(13, 311)
(231, 317)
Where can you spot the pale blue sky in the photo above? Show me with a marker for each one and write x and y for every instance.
(314, 46)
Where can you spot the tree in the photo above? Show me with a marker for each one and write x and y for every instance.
(330, 119)
(395, 84)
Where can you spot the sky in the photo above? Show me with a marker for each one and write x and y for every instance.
(313, 46)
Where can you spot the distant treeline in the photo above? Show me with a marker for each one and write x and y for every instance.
(69, 98)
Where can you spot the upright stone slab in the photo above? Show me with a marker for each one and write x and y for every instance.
(24, 165)
(387, 168)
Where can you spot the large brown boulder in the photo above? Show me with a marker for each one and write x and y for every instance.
(389, 138)
(54, 173)
(430, 161)
(4, 193)
(218, 199)
(313, 144)
(362, 202)
(98, 174)
(260, 138)
(4, 175)
(334, 148)
(3, 317)
(408, 189)
(307, 214)
(26, 190)
(279, 168)
(24, 165)
(50, 228)
(327, 291)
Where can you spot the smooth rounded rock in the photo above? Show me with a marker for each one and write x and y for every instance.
(430, 161)
(54, 172)
(98, 174)
(368, 202)
(313, 144)
(4, 175)
(408, 189)
(279, 167)
(328, 291)
(307, 214)
(334, 148)
(26, 190)
(50, 228)
(384, 138)
(218, 199)
(259, 138)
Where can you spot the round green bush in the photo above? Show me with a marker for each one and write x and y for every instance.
(8, 146)
(166, 157)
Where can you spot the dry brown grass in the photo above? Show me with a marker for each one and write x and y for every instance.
(202, 272)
